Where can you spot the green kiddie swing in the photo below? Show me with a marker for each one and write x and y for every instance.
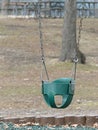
(63, 87)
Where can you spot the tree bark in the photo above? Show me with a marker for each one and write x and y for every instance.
(69, 43)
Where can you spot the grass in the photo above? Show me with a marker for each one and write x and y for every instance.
(20, 64)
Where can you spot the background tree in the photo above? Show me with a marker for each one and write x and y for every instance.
(69, 42)
(5, 5)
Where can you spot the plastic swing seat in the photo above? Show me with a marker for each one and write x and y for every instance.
(63, 87)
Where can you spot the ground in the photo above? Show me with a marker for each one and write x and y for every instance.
(20, 66)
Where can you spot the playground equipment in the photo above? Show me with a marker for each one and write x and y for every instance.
(63, 87)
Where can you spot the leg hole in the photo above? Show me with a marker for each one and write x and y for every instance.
(58, 100)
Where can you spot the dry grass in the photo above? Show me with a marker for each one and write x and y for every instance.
(20, 64)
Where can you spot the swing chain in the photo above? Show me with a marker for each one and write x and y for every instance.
(41, 42)
(79, 33)
(75, 60)
(81, 24)
(75, 67)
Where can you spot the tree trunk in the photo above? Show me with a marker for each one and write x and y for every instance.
(5, 5)
(69, 43)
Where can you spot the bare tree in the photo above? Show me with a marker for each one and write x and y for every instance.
(5, 5)
(69, 43)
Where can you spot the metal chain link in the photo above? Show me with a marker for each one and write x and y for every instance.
(79, 33)
(41, 43)
(78, 42)
(80, 26)
(75, 60)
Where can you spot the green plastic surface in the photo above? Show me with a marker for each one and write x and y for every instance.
(63, 87)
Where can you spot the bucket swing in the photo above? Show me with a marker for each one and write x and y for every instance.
(63, 87)
(59, 87)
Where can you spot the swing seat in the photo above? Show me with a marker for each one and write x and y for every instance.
(60, 87)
